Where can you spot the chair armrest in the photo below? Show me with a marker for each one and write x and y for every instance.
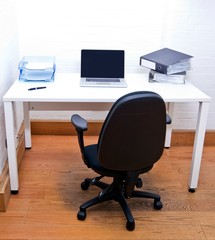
(79, 123)
(168, 119)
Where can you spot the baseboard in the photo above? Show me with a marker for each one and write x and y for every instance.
(4, 177)
(62, 128)
(179, 138)
(186, 138)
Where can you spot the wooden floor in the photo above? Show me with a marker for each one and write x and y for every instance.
(50, 195)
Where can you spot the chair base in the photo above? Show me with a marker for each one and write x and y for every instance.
(115, 191)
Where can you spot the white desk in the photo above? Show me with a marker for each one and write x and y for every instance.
(65, 94)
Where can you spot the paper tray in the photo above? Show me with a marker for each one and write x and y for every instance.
(37, 68)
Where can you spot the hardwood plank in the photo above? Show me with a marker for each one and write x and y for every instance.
(50, 195)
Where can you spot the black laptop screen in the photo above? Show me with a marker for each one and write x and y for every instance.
(102, 63)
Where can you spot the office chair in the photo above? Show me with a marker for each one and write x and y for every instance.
(130, 142)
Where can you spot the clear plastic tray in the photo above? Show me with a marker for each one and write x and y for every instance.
(33, 68)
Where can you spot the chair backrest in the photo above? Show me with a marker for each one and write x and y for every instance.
(133, 133)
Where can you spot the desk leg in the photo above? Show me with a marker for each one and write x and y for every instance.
(170, 111)
(27, 125)
(198, 145)
(11, 146)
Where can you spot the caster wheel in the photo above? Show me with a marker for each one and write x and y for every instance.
(81, 215)
(139, 183)
(130, 226)
(85, 184)
(192, 190)
(158, 205)
(14, 192)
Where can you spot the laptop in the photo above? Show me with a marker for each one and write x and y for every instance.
(102, 68)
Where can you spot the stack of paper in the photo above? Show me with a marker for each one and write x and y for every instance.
(177, 78)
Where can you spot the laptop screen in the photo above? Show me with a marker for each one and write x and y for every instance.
(102, 63)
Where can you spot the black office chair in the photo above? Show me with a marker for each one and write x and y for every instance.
(130, 142)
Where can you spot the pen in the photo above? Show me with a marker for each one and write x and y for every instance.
(35, 88)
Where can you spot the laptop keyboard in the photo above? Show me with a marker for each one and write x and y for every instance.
(103, 80)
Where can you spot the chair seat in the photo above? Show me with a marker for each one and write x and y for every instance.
(93, 162)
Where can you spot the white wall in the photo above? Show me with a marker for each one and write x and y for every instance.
(190, 26)
(63, 27)
(8, 65)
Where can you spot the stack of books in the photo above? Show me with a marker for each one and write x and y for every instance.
(167, 65)
(35, 68)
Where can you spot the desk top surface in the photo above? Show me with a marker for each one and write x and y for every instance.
(66, 88)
